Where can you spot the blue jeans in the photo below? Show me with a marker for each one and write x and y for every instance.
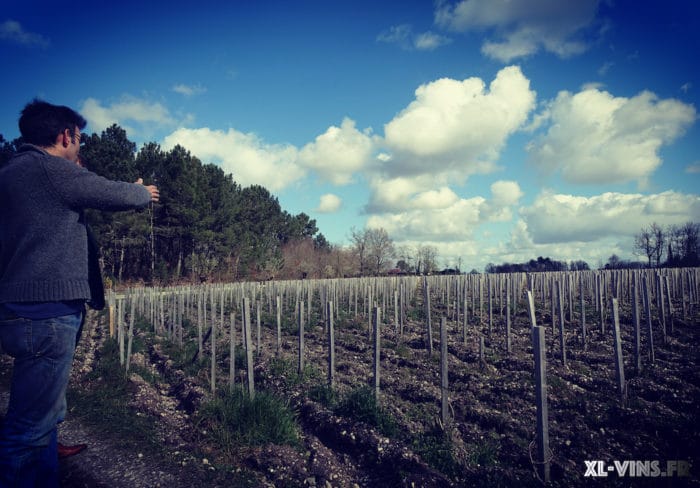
(43, 353)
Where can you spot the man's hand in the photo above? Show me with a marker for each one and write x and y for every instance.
(152, 189)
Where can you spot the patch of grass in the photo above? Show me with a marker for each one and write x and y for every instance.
(102, 400)
(182, 356)
(354, 323)
(288, 326)
(223, 357)
(580, 367)
(325, 395)
(436, 448)
(235, 419)
(403, 351)
(288, 371)
(415, 314)
(485, 453)
(361, 404)
(556, 384)
(418, 411)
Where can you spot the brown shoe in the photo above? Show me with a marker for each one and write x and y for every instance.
(66, 451)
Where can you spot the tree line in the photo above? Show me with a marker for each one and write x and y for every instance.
(537, 265)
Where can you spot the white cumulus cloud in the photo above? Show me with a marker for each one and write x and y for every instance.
(329, 203)
(456, 128)
(440, 214)
(339, 152)
(249, 159)
(506, 192)
(560, 218)
(452, 223)
(517, 28)
(138, 117)
(595, 137)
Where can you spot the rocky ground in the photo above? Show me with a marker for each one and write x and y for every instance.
(487, 442)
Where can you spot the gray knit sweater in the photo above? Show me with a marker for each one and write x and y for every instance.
(43, 241)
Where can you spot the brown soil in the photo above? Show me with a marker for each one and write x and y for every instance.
(492, 407)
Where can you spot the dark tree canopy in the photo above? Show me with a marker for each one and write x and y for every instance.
(205, 225)
(540, 264)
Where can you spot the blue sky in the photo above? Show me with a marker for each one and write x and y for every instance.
(493, 130)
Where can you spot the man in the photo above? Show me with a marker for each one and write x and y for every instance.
(44, 280)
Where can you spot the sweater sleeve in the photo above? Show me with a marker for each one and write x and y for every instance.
(81, 188)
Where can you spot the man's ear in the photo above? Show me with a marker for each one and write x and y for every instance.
(64, 138)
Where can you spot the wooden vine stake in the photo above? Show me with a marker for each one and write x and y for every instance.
(508, 324)
(248, 347)
(377, 350)
(110, 302)
(232, 353)
(199, 322)
(429, 326)
(213, 345)
(619, 365)
(258, 314)
(279, 324)
(601, 287)
(490, 285)
(647, 311)
(444, 385)
(583, 313)
(120, 329)
(538, 348)
(331, 346)
(670, 306)
(538, 345)
(396, 311)
(660, 306)
(482, 349)
(131, 333)
(562, 334)
(301, 337)
(636, 323)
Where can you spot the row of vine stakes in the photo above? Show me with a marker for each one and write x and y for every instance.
(457, 296)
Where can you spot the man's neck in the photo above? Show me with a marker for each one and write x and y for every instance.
(53, 151)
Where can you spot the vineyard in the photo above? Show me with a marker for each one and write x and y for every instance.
(412, 381)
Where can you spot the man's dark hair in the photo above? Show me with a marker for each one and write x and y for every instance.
(41, 122)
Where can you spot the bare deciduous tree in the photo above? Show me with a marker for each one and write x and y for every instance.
(380, 249)
(649, 242)
(683, 244)
(659, 237)
(359, 248)
(427, 259)
(373, 249)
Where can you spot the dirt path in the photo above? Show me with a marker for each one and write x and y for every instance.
(104, 463)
